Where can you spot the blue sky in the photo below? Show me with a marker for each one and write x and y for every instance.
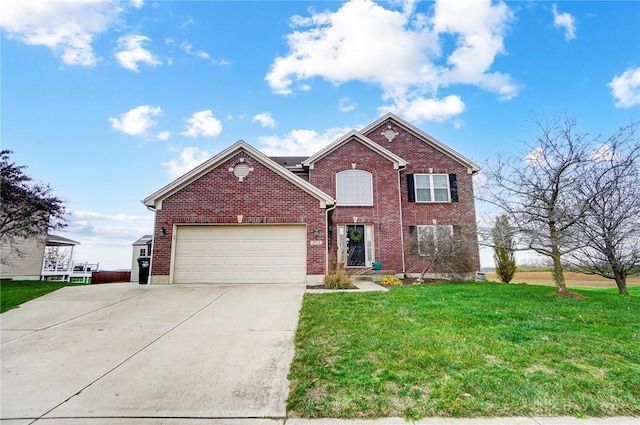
(108, 101)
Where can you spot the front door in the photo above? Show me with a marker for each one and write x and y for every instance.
(355, 245)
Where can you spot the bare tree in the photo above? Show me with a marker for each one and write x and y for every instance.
(610, 230)
(538, 191)
(27, 210)
(442, 251)
(504, 247)
(56, 254)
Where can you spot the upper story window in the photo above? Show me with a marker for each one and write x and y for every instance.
(432, 187)
(354, 187)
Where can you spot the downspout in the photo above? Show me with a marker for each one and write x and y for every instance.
(404, 268)
(326, 242)
(153, 243)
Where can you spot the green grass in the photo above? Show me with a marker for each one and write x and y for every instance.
(16, 292)
(466, 350)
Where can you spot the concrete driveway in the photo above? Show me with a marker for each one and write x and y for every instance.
(135, 351)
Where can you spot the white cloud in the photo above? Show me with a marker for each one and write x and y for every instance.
(431, 109)
(345, 104)
(187, 47)
(334, 49)
(137, 3)
(137, 121)
(190, 157)
(299, 142)
(107, 237)
(536, 157)
(625, 88)
(564, 21)
(68, 28)
(187, 22)
(83, 215)
(265, 119)
(479, 27)
(131, 52)
(605, 153)
(401, 51)
(163, 135)
(203, 123)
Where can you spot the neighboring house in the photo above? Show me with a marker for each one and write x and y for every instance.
(34, 263)
(242, 217)
(141, 248)
(23, 260)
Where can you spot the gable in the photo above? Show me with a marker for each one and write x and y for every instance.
(239, 170)
(395, 134)
(353, 135)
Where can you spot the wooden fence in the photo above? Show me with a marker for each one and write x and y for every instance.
(107, 276)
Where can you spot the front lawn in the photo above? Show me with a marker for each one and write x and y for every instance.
(466, 350)
(16, 292)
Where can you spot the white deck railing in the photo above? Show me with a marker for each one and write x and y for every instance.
(68, 269)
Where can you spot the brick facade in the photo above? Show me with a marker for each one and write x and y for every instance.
(219, 197)
(384, 215)
(269, 197)
(423, 158)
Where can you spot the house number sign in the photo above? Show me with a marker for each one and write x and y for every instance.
(314, 243)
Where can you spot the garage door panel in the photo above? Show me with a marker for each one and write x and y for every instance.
(240, 254)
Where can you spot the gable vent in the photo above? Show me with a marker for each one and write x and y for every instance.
(241, 170)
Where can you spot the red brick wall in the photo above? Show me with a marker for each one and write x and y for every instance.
(386, 205)
(218, 197)
(421, 156)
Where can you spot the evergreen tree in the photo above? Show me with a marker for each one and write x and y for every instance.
(503, 249)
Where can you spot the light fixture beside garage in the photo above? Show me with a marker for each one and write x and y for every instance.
(241, 170)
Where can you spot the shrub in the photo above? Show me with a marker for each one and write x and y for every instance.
(390, 280)
(504, 249)
(337, 278)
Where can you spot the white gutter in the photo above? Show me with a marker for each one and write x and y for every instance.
(404, 268)
(326, 242)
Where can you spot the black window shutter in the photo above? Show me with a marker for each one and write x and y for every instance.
(411, 188)
(413, 243)
(457, 232)
(453, 187)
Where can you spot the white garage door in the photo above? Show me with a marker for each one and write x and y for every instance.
(240, 254)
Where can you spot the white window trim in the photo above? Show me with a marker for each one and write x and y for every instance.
(432, 193)
(369, 246)
(349, 202)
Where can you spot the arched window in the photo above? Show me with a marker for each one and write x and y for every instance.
(354, 187)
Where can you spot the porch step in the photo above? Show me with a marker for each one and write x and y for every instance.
(372, 275)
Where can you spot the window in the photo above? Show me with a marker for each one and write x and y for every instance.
(430, 237)
(143, 252)
(432, 187)
(354, 187)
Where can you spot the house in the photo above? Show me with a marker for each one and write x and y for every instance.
(49, 257)
(242, 217)
(141, 248)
